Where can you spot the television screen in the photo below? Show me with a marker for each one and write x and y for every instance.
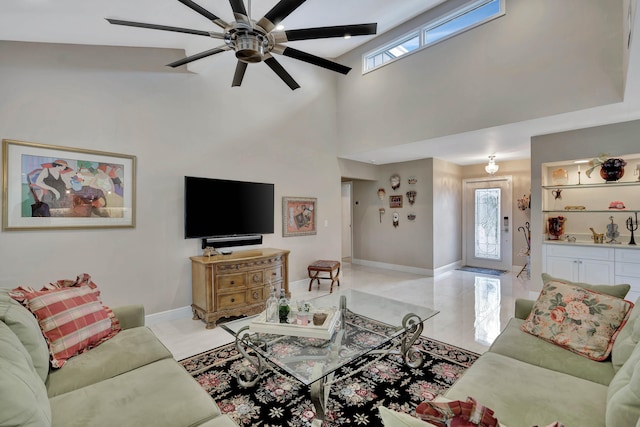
(216, 207)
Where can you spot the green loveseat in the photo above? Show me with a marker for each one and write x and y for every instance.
(129, 380)
(528, 381)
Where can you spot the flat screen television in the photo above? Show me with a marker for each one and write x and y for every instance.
(217, 207)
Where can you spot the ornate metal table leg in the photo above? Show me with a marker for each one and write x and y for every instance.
(320, 396)
(248, 376)
(414, 327)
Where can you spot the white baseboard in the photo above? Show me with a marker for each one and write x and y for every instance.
(167, 316)
(447, 268)
(395, 267)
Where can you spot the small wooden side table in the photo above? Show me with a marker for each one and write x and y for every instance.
(324, 266)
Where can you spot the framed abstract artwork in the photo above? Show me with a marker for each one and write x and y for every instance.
(299, 216)
(54, 187)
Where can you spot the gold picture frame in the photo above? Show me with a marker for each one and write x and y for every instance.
(56, 187)
(299, 216)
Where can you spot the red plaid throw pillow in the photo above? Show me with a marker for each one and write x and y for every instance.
(72, 319)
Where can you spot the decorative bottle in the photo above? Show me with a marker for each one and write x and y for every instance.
(272, 307)
(283, 307)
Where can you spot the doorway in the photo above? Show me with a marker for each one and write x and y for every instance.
(347, 235)
(487, 223)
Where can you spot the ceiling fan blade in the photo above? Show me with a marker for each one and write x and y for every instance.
(311, 59)
(280, 11)
(204, 12)
(327, 32)
(165, 28)
(198, 56)
(281, 72)
(239, 74)
(239, 11)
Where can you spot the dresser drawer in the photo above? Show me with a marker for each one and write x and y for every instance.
(581, 252)
(256, 295)
(628, 255)
(273, 274)
(230, 281)
(627, 269)
(231, 300)
(255, 278)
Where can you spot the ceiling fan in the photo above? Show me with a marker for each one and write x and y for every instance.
(256, 41)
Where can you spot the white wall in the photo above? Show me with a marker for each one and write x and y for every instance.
(176, 124)
(542, 58)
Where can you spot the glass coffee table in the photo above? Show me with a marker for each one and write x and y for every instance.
(364, 324)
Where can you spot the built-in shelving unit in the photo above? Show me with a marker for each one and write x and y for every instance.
(584, 201)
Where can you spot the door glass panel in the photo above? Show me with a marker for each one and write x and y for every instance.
(487, 223)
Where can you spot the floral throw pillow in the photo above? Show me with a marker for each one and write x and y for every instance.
(580, 320)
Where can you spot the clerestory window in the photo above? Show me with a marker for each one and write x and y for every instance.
(471, 15)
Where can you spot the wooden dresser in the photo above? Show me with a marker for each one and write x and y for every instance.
(236, 284)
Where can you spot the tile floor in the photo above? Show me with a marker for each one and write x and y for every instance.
(473, 307)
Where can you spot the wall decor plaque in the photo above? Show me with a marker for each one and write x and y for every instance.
(395, 201)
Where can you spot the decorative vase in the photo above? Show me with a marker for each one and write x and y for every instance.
(556, 227)
(612, 169)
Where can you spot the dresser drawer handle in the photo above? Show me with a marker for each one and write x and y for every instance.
(233, 282)
(233, 300)
(255, 295)
(256, 278)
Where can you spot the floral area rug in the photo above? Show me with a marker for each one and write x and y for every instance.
(278, 399)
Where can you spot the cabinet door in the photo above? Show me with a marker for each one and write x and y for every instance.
(597, 272)
(563, 268)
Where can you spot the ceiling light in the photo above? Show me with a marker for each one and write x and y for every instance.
(491, 167)
(347, 36)
(279, 27)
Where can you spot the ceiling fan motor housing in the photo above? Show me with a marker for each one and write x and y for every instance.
(249, 45)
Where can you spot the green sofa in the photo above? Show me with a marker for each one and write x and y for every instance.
(528, 381)
(129, 380)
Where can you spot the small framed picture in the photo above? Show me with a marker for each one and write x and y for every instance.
(395, 201)
(299, 216)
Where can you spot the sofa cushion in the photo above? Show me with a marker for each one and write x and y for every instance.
(26, 328)
(619, 291)
(23, 397)
(159, 394)
(578, 319)
(72, 320)
(515, 343)
(627, 339)
(130, 349)
(526, 395)
(623, 397)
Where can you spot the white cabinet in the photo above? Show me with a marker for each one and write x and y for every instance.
(579, 263)
(628, 270)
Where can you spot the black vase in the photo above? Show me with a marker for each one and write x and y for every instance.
(612, 169)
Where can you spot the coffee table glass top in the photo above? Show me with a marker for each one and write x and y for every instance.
(370, 322)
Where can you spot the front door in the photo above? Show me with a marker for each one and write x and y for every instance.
(487, 223)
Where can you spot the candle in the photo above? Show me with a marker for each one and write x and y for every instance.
(578, 168)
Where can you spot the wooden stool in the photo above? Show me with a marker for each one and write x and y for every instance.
(331, 267)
